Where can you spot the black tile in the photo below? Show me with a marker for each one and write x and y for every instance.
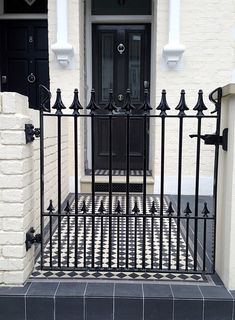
(233, 294)
(39, 308)
(128, 290)
(218, 310)
(69, 308)
(186, 292)
(158, 309)
(71, 289)
(215, 292)
(128, 309)
(14, 291)
(100, 290)
(157, 291)
(188, 310)
(98, 308)
(42, 289)
(12, 308)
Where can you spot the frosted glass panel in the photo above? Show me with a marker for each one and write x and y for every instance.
(107, 65)
(134, 64)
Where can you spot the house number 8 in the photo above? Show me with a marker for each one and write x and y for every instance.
(121, 48)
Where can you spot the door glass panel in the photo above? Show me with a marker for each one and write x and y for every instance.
(121, 7)
(134, 64)
(107, 65)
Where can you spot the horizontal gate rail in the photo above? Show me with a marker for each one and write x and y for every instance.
(129, 233)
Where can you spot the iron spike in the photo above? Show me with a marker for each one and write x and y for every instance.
(92, 104)
(200, 106)
(182, 107)
(101, 208)
(163, 106)
(128, 107)
(110, 106)
(51, 207)
(84, 208)
(136, 208)
(67, 209)
(146, 106)
(76, 105)
(205, 210)
(170, 209)
(187, 210)
(58, 106)
(118, 208)
(153, 208)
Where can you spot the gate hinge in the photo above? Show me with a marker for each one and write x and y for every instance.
(31, 238)
(30, 132)
(214, 139)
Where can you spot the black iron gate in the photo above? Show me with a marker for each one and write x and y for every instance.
(131, 231)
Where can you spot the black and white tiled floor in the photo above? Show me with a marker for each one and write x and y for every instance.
(105, 172)
(118, 245)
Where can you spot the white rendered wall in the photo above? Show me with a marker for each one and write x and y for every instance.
(207, 32)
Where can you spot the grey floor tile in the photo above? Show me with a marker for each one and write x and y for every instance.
(128, 290)
(70, 308)
(12, 308)
(71, 289)
(99, 308)
(100, 290)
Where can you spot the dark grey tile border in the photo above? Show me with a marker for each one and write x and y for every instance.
(71, 289)
(186, 292)
(132, 291)
(99, 290)
(215, 293)
(157, 291)
(43, 289)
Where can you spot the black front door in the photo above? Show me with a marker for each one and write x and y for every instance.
(24, 57)
(121, 60)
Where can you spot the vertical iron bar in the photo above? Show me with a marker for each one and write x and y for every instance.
(59, 187)
(84, 240)
(152, 240)
(76, 187)
(68, 239)
(50, 242)
(118, 245)
(187, 246)
(204, 244)
(179, 190)
(162, 188)
(101, 240)
(42, 184)
(93, 189)
(144, 190)
(110, 190)
(135, 239)
(197, 191)
(169, 244)
(127, 184)
(216, 162)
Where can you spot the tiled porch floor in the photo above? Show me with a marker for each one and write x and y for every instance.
(123, 275)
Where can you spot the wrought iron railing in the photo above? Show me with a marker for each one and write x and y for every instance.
(154, 234)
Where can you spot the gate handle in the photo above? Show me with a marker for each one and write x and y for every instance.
(214, 139)
(31, 78)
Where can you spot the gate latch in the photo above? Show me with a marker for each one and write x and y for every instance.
(214, 139)
(31, 238)
(30, 132)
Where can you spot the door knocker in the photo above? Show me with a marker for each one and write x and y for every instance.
(121, 48)
(31, 78)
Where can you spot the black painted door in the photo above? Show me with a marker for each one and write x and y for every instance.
(24, 57)
(121, 60)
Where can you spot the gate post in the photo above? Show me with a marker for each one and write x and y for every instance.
(16, 189)
(225, 239)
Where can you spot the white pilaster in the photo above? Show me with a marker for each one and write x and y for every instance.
(173, 51)
(62, 49)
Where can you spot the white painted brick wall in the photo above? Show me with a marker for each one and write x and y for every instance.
(16, 192)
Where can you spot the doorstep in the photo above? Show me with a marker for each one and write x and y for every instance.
(79, 300)
(86, 183)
